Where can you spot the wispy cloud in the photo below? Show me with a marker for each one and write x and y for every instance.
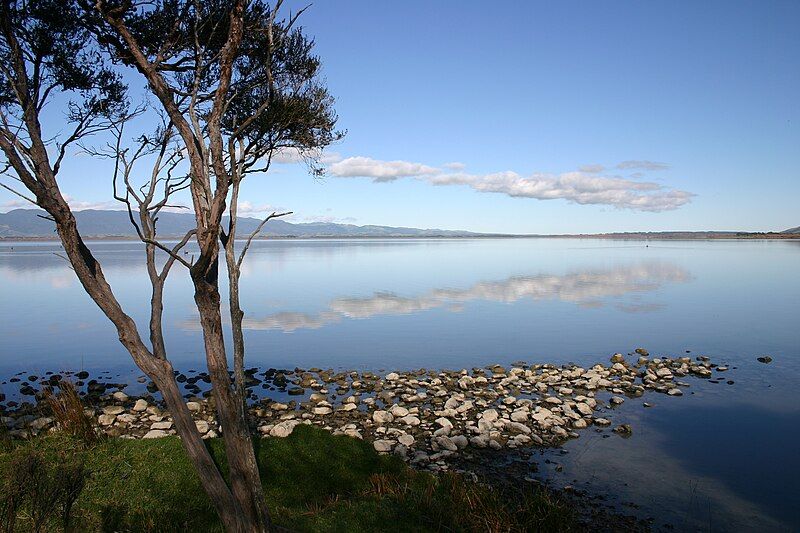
(592, 169)
(586, 186)
(642, 165)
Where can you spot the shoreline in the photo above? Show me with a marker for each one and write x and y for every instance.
(429, 418)
(625, 236)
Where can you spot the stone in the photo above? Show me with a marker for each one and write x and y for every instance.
(202, 426)
(602, 421)
(405, 439)
(162, 425)
(460, 440)
(519, 416)
(155, 434)
(140, 406)
(624, 429)
(392, 376)
(446, 443)
(617, 400)
(321, 411)
(410, 420)
(398, 411)
(283, 429)
(382, 446)
(106, 420)
(120, 396)
(113, 410)
(382, 417)
(194, 407)
(444, 423)
(490, 415)
(41, 423)
(617, 358)
(675, 392)
(348, 407)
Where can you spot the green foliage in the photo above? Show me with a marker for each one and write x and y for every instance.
(313, 481)
(39, 487)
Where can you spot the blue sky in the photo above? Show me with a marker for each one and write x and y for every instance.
(516, 116)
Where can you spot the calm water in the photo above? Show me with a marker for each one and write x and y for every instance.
(723, 458)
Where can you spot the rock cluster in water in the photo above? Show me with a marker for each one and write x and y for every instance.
(424, 416)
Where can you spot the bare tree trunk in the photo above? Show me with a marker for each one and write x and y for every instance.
(160, 371)
(244, 475)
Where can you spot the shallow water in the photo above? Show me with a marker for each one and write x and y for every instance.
(722, 458)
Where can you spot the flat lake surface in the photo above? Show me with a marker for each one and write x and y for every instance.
(724, 457)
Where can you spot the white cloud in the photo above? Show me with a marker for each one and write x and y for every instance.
(379, 171)
(585, 187)
(642, 165)
(455, 165)
(248, 209)
(576, 187)
(293, 155)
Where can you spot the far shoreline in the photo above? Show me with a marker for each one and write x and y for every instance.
(628, 236)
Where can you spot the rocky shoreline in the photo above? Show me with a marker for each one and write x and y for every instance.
(429, 418)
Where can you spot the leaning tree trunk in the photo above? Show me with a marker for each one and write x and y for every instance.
(90, 274)
(244, 475)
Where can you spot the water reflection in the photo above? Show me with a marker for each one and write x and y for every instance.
(585, 288)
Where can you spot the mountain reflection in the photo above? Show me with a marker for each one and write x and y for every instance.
(585, 288)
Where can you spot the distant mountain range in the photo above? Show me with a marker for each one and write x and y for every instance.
(27, 223)
(98, 224)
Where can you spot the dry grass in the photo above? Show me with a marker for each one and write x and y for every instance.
(69, 413)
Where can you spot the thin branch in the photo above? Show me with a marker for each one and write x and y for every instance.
(255, 233)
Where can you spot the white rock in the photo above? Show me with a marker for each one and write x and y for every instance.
(120, 396)
(283, 429)
(490, 415)
(519, 416)
(398, 411)
(383, 446)
(140, 405)
(106, 420)
(392, 376)
(194, 407)
(410, 420)
(382, 417)
(162, 425)
(113, 409)
(444, 423)
(405, 439)
(202, 426)
(155, 434)
(675, 392)
(322, 411)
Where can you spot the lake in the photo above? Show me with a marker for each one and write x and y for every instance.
(725, 457)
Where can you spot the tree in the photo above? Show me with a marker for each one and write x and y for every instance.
(234, 84)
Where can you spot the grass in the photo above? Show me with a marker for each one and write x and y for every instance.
(314, 481)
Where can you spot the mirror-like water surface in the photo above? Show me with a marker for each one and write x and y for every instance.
(723, 458)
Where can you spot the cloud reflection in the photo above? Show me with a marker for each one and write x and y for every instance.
(587, 289)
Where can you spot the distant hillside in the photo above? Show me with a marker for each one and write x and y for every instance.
(25, 223)
(792, 230)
